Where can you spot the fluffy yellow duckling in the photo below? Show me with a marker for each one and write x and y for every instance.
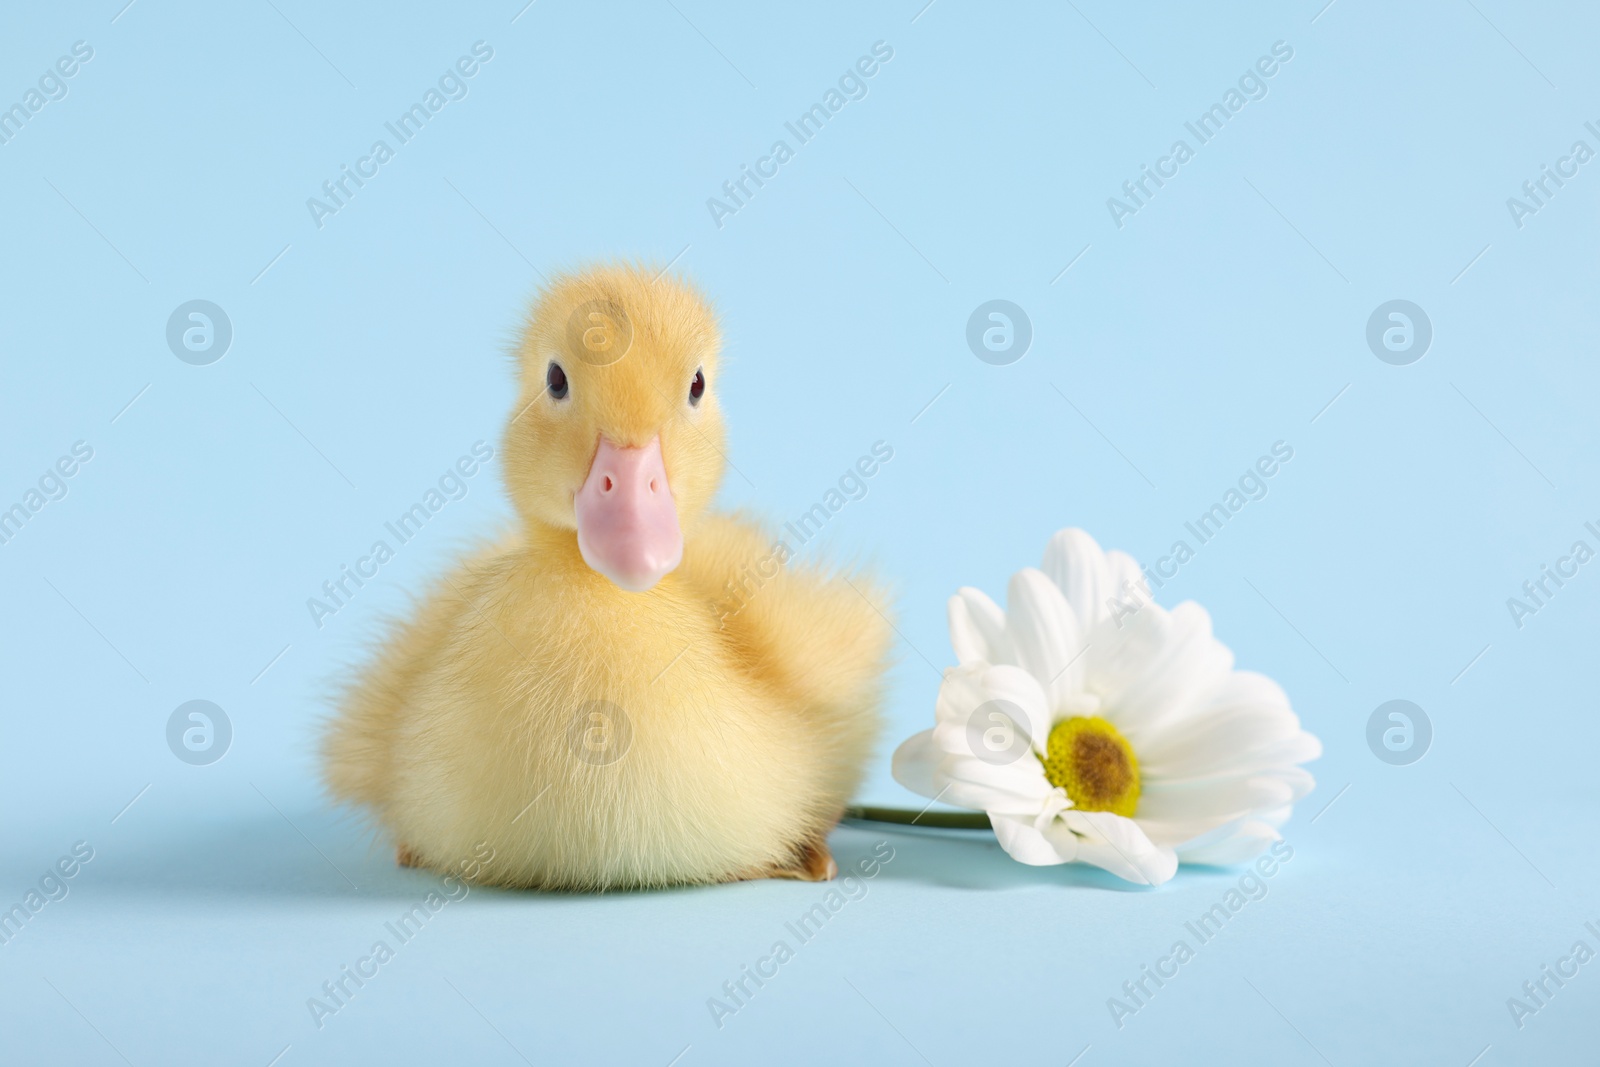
(568, 701)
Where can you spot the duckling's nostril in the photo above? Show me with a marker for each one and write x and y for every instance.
(605, 486)
(652, 485)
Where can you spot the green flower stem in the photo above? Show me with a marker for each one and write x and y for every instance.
(944, 820)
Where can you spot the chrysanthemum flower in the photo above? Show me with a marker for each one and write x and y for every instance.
(1093, 725)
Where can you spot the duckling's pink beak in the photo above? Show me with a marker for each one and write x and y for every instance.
(627, 519)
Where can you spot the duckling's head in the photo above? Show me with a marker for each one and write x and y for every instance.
(617, 437)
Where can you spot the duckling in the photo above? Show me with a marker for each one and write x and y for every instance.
(569, 701)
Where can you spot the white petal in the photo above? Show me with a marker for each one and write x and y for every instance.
(923, 767)
(1313, 745)
(994, 713)
(1232, 749)
(1018, 788)
(1046, 634)
(914, 763)
(1118, 845)
(1074, 561)
(1157, 669)
(1025, 844)
(1196, 812)
(1247, 714)
(1275, 817)
(1203, 833)
(1299, 780)
(1246, 842)
(1220, 800)
(1128, 583)
(1019, 688)
(1274, 759)
(960, 694)
(1176, 832)
(978, 628)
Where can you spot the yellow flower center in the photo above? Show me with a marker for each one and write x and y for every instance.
(1087, 757)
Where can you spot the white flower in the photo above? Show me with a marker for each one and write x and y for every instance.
(1093, 725)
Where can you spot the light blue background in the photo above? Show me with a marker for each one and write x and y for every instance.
(1223, 317)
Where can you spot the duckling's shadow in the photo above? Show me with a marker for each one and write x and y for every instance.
(318, 856)
(327, 855)
(957, 859)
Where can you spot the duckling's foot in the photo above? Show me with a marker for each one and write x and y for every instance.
(814, 864)
(407, 858)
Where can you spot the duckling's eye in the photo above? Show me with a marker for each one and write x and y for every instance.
(555, 379)
(697, 388)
